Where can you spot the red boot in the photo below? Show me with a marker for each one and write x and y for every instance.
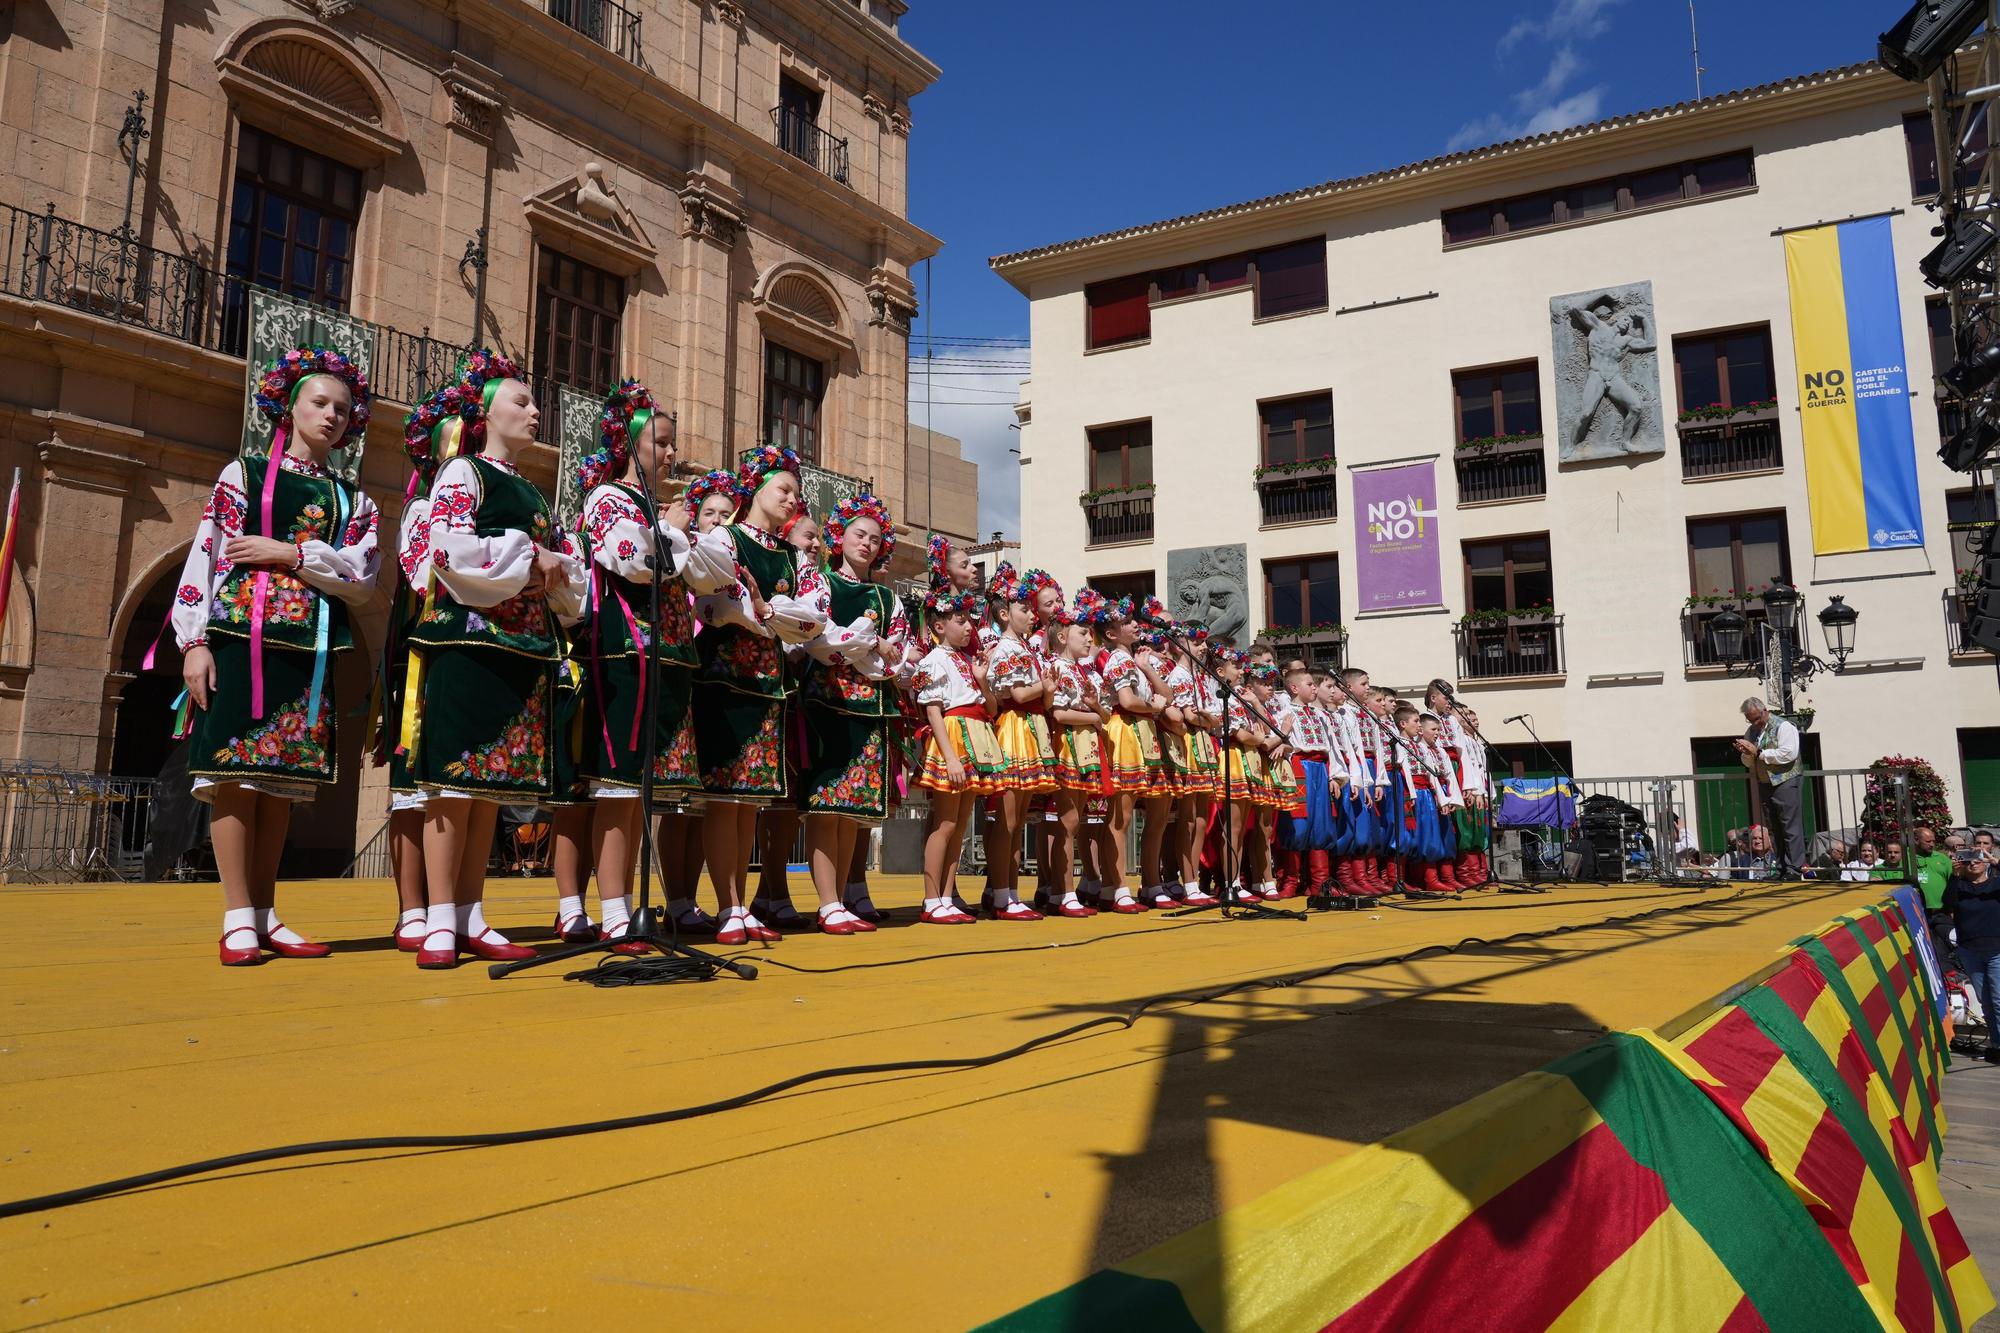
(1467, 871)
(1288, 872)
(1319, 872)
(1440, 873)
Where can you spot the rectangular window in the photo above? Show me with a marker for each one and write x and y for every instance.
(1118, 310)
(1137, 586)
(794, 385)
(1121, 456)
(1291, 278)
(1211, 275)
(1506, 400)
(1297, 430)
(292, 219)
(1511, 574)
(1729, 368)
(1737, 555)
(579, 310)
(1585, 200)
(1301, 593)
(1920, 145)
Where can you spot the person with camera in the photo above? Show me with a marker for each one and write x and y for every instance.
(1972, 898)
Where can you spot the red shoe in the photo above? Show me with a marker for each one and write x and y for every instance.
(411, 943)
(630, 948)
(741, 927)
(496, 949)
(1077, 910)
(1441, 872)
(1127, 906)
(1014, 911)
(303, 949)
(249, 957)
(842, 922)
(578, 930)
(945, 916)
(429, 958)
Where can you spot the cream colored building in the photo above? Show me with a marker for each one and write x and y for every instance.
(1389, 317)
(709, 195)
(943, 490)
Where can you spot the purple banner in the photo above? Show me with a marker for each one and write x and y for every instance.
(1396, 537)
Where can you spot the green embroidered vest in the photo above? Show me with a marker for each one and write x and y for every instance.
(840, 686)
(732, 655)
(303, 509)
(521, 624)
(673, 645)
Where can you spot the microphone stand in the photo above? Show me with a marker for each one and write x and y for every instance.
(1562, 776)
(1490, 751)
(1410, 759)
(1251, 911)
(676, 958)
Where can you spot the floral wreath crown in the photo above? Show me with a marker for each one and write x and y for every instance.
(1091, 608)
(946, 602)
(937, 555)
(721, 481)
(465, 399)
(756, 469)
(625, 415)
(859, 507)
(278, 383)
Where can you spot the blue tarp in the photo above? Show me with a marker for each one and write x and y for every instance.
(1531, 802)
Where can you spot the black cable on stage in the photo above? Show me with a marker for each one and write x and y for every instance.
(410, 1142)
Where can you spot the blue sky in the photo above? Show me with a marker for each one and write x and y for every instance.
(1059, 118)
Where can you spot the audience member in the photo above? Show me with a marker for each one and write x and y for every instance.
(1757, 860)
(1931, 867)
(1972, 898)
(1864, 865)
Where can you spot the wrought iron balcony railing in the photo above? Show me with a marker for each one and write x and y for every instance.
(802, 137)
(1328, 649)
(1698, 644)
(1116, 519)
(1514, 471)
(1520, 645)
(1724, 448)
(105, 274)
(610, 25)
(1306, 496)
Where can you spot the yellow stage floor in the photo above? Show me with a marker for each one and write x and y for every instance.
(920, 1202)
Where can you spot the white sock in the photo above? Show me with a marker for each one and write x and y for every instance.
(617, 914)
(1070, 899)
(271, 928)
(1122, 895)
(833, 911)
(412, 921)
(475, 925)
(569, 906)
(933, 904)
(442, 919)
(239, 918)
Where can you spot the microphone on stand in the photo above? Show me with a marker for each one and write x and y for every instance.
(1516, 718)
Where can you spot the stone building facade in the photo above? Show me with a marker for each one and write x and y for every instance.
(710, 196)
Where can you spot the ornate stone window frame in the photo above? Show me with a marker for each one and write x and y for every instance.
(274, 105)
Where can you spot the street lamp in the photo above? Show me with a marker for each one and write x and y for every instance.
(1728, 629)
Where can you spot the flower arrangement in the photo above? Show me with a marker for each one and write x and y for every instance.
(1716, 597)
(1968, 579)
(1878, 805)
(1321, 629)
(1724, 411)
(1106, 492)
(1310, 466)
(1485, 444)
(1506, 615)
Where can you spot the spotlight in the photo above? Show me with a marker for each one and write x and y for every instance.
(1960, 253)
(1924, 38)
(1973, 371)
(1964, 447)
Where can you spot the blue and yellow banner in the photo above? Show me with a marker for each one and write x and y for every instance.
(1854, 391)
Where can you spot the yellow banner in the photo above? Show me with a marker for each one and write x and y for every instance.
(1826, 391)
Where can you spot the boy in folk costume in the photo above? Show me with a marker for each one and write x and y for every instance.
(1450, 801)
(284, 550)
(850, 704)
(1419, 785)
(1302, 828)
(711, 500)
(1361, 797)
(962, 758)
(477, 714)
(744, 687)
(1467, 753)
(1020, 682)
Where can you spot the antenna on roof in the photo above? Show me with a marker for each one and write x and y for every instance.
(1695, 34)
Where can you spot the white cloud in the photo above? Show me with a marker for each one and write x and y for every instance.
(1548, 104)
(972, 398)
(1567, 21)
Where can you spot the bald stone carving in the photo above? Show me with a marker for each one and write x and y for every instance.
(1607, 369)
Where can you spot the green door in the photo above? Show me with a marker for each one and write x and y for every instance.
(1979, 761)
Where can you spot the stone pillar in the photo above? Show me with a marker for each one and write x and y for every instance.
(68, 713)
(464, 201)
(885, 367)
(711, 219)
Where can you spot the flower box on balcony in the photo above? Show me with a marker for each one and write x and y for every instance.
(1108, 493)
(1722, 413)
(1519, 443)
(1300, 471)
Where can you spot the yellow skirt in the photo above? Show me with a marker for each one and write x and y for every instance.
(1079, 759)
(1284, 785)
(979, 751)
(1246, 774)
(1204, 764)
(1028, 752)
(1132, 752)
(1174, 763)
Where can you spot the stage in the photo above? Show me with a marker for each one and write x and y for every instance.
(925, 1201)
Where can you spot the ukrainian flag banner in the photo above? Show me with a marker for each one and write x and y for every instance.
(1854, 392)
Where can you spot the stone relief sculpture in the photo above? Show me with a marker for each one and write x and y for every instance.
(1607, 373)
(1209, 586)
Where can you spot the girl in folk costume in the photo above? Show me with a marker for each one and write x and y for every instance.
(850, 703)
(284, 551)
(1275, 795)
(1075, 721)
(1132, 750)
(632, 664)
(744, 686)
(1189, 714)
(778, 824)
(1159, 856)
(1244, 787)
(962, 759)
(1467, 753)
(951, 570)
(1020, 681)
(477, 708)
(711, 500)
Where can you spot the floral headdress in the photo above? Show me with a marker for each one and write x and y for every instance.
(279, 383)
(467, 399)
(1154, 612)
(719, 482)
(758, 468)
(1005, 585)
(624, 418)
(420, 433)
(946, 602)
(1091, 608)
(856, 507)
(1118, 608)
(1221, 654)
(937, 554)
(1265, 673)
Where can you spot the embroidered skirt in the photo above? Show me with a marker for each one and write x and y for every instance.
(1079, 759)
(1132, 754)
(1028, 750)
(1204, 771)
(740, 743)
(278, 753)
(612, 705)
(486, 724)
(978, 750)
(847, 764)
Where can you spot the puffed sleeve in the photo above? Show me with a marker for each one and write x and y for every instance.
(711, 563)
(618, 538)
(931, 681)
(475, 570)
(205, 567)
(347, 571)
(566, 592)
(798, 616)
(413, 542)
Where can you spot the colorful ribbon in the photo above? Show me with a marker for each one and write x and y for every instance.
(324, 630)
(451, 431)
(260, 597)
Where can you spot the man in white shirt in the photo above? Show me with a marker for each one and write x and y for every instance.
(1770, 750)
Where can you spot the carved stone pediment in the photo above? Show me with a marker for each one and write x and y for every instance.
(584, 216)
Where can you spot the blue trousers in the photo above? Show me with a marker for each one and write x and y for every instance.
(1982, 968)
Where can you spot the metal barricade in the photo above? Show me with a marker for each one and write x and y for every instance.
(66, 826)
